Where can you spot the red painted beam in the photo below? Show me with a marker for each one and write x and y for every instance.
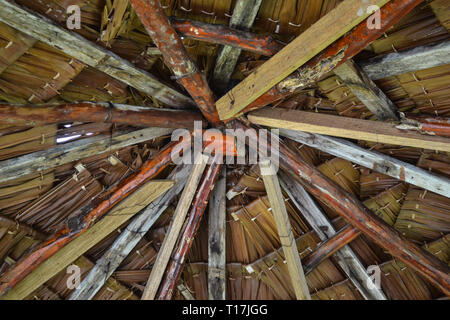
(340, 51)
(78, 225)
(180, 254)
(176, 57)
(97, 112)
(216, 33)
(355, 213)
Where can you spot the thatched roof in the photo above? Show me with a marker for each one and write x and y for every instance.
(37, 204)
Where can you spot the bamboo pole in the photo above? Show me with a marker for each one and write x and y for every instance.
(97, 112)
(78, 225)
(353, 211)
(199, 205)
(175, 56)
(170, 239)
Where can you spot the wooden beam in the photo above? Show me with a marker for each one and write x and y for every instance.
(373, 160)
(216, 241)
(376, 131)
(244, 15)
(129, 238)
(172, 234)
(14, 114)
(419, 58)
(185, 292)
(190, 228)
(353, 211)
(74, 45)
(113, 220)
(73, 151)
(284, 228)
(316, 38)
(345, 257)
(340, 51)
(367, 91)
(175, 56)
(441, 9)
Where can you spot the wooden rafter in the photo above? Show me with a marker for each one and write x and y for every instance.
(373, 160)
(216, 240)
(97, 112)
(43, 29)
(243, 16)
(73, 151)
(352, 128)
(73, 250)
(175, 56)
(129, 238)
(284, 228)
(345, 257)
(172, 234)
(354, 212)
(367, 91)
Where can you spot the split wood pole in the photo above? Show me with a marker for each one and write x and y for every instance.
(284, 228)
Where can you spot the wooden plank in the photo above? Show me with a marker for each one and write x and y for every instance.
(352, 128)
(185, 292)
(328, 29)
(43, 29)
(284, 228)
(367, 91)
(345, 257)
(244, 15)
(419, 58)
(172, 234)
(441, 9)
(74, 249)
(73, 151)
(373, 160)
(129, 238)
(216, 241)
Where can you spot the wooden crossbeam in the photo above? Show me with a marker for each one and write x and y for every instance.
(328, 29)
(17, 114)
(419, 58)
(74, 45)
(352, 128)
(373, 160)
(285, 233)
(367, 91)
(216, 240)
(345, 257)
(172, 234)
(73, 151)
(129, 238)
(113, 220)
(244, 15)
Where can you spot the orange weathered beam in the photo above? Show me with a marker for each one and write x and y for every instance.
(175, 56)
(98, 112)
